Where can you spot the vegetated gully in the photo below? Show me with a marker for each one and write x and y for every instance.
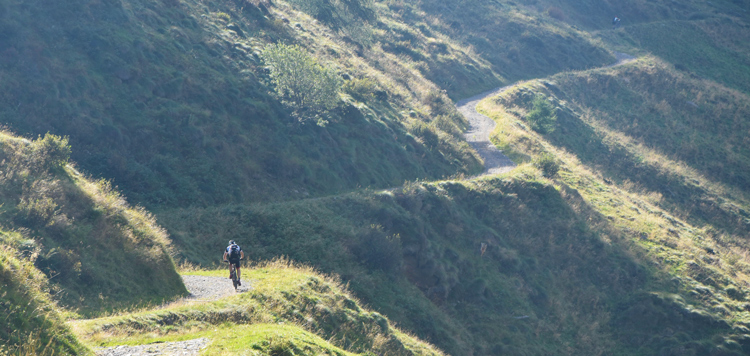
(481, 126)
(204, 289)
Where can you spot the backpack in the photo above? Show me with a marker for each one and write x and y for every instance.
(234, 252)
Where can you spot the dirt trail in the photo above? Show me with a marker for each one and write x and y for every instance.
(478, 135)
(202, 289)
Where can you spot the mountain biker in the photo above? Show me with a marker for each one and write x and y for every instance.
(615, 22)
(233, 254)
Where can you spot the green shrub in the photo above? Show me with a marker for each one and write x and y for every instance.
(52, 151)
(303, 84)
(542, 117)
(379, 250)
(547, 164)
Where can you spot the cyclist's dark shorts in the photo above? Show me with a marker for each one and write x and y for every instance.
(236, 263)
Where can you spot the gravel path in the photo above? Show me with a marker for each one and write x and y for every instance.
(182, 348)
(478, 135)
(207, 289)
(202, 289)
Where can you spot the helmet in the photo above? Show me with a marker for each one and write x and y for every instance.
(231, 242)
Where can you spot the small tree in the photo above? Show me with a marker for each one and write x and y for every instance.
(542, 117)
(303, 84)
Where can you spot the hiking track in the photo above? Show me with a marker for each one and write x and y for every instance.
(481, 126)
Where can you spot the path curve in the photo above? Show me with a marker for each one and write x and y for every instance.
(481, 126)
(202, 289)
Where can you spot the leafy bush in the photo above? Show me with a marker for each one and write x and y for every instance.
(52, 151)
(547, 164)
(542, 117)
(309, 88)
(379, 250)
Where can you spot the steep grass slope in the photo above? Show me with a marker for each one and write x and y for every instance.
(661, 131)
(709, 46)
(170, 98)
(98, 252)
(31, 323)
(167, 100)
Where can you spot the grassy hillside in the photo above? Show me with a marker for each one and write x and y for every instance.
(562, 272)
(680, 207)
(636, 246)
(97, 251)
(706, 46)
(172, 104)
(32, 324)
(659, 131)
(290, 310)
(172, 101)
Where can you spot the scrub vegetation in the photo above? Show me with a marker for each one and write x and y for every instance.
(621, 232)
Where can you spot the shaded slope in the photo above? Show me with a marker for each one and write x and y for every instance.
(554, 263)
(165, 99)
(712, 48)
(99, 252)
(662, 130)
(690, 225)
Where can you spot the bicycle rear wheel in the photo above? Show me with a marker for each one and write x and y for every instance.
(235, 282)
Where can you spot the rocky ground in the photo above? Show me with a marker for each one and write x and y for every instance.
(182, 348)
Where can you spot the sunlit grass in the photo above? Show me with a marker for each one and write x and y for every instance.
(288, 306)
(659, 231)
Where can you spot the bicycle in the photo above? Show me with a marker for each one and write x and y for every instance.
(233, 274)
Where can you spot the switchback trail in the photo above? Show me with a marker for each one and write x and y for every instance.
(481, 126)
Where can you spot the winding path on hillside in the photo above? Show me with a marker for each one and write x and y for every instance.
(202, 289)
(481, 126)
(208, 289)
